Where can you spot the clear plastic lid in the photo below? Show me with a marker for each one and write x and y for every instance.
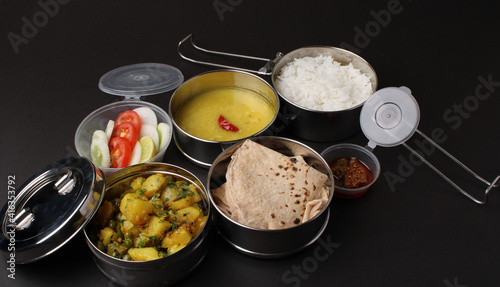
(389, 117)
(134, 81)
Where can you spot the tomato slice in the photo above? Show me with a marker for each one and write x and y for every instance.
(127, 131)
(225, 124)
(129, 117)
(120, 151)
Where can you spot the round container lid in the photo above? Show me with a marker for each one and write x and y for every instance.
(50, 208)
(389, 117)
(143, 79)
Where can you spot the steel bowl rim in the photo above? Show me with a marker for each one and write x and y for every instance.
(281, 254)
(275, 74)
(176, 126)
(240, 225)
(173, 257)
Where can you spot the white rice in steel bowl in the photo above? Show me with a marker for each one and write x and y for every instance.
(323, 84)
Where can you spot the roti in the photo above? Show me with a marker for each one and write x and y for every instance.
(268, 190)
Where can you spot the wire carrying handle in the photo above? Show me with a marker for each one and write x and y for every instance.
(266, 70)
(490, 185)
(391, 116)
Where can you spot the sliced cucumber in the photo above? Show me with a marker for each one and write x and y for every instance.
(164, 134)
(148, 117)
(99, 134)
(109, 129)
(99, 152)
(150, 131)
(135, 156)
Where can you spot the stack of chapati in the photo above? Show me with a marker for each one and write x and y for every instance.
(268, 190)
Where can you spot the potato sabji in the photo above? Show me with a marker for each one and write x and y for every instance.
(153, 218)
(135, 136)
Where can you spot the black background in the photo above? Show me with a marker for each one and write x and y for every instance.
(418, 231)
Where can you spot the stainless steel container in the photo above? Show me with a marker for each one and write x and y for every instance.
(161, 272)
(50, 208)
(200, 151)
(322, 126)
(269, 243)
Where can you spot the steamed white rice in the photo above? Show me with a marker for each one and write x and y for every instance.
(323, 84)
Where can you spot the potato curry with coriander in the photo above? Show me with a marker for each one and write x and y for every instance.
(152, 218)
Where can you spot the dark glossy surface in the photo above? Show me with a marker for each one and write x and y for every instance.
(411, 229)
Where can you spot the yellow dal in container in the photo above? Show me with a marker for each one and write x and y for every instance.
(246, 110)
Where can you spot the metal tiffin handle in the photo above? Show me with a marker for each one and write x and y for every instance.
(267, 69)
(391, 116)
(490, 185)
